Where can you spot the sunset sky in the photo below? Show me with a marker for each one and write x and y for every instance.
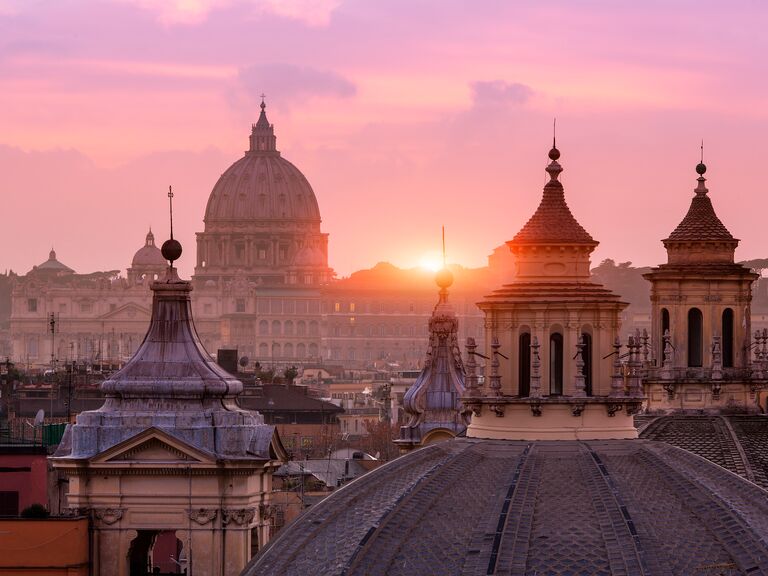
(404, 116)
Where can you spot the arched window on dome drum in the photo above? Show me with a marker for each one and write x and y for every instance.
(524, 367)
(695, 338)
(556, 364)
(586, 356)
(727, 344)
(664, 328)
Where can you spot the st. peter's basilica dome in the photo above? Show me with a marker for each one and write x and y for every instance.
(262, 186)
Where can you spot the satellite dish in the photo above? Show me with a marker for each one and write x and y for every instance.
(39, 417)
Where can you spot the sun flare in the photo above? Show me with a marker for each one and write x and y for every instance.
(432, 262)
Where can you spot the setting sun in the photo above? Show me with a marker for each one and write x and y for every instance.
(431, 261)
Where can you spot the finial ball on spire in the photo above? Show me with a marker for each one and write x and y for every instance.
(444, 278)
(701, 168)
(554, 154)
(171, 250)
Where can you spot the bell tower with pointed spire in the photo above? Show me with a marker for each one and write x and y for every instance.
(551, 338)
(700, 314)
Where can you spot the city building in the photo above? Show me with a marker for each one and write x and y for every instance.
(701, 345)
(170, 460)
(59, 316)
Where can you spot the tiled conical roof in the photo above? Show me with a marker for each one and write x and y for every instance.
(701, 223)
(553, 223)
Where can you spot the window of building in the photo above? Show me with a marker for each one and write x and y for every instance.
(262, 253)
(112, 307)
(239, 252)
(62, 307)
(276, 328)
(240, 305)
(283, 253)
(524, 368)
(32, 305)
(86, 307)
(695, 338)
(307, 278)
(556, 364)
(727, 344)
(351, 306)
(208, 308)
(263, 328)
(337, 307)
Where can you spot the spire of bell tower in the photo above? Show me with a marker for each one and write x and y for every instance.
(262, 137)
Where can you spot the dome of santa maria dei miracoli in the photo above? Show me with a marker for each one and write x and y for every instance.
(550, 478)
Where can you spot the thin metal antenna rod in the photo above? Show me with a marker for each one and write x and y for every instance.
(443, 246)
(702, 150)
(554, 132)
(170, 206)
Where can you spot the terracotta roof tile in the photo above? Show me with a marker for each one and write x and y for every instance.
(553, 222)
(700, 223)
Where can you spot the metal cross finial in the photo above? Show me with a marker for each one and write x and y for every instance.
(170, 206)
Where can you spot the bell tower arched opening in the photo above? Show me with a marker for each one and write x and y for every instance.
(524, 367)
(695, 338)
(727, 338)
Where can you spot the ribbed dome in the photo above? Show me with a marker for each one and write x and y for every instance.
(262, 185)
(560, 508)
(149, 255)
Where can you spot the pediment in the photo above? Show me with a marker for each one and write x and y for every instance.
(153, 446)
(130, 311)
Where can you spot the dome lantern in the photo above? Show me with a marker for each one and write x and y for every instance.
(263, 139)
